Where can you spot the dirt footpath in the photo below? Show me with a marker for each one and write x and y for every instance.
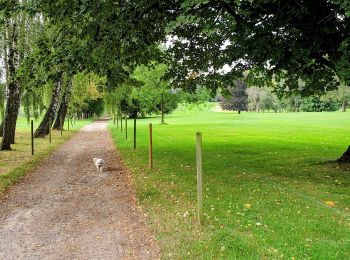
(66, 209)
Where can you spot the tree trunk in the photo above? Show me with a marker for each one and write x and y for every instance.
(21, 42)
(51, 112)
(1, 128)
(343, 106)
(62, 111)
(17, 104)
(345, 158)
(11, 110)
(6, 75)
(239, 111)
(9, 119)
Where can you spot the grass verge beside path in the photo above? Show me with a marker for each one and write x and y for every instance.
(257, 170)
(15, 163)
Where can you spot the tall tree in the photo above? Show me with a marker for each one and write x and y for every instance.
(291, 39)
(63, 109)
(155, 94)
(13, 87)
(51, 112)
(17, 26)
(341, 94)
(238, 99)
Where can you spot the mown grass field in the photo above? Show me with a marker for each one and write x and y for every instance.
(268, 189)
(15, 163)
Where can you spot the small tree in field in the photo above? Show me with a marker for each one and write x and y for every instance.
(155, 95)
(341, 94)
(238, 99)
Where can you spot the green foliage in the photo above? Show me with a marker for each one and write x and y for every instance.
(35, 101)
(318, 104)
(238, 99)
(294, 102)
(201, 94)
(87, 93)
(289, 40)
(341, 94)
(155, 94)
(107, 37)
(260, 99)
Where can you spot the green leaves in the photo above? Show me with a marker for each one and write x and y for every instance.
(269, 37)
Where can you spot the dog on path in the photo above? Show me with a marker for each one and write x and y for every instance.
(99, 163)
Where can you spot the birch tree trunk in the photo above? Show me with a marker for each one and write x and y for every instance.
(51, 112)
(5, 53)
(62, 111)
(21, 45)
(11, 110)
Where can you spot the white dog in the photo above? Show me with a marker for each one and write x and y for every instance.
(99, 163)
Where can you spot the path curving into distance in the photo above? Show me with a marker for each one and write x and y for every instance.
(66, 209)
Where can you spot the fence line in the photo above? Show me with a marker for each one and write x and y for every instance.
(275, 184)
(290, 190)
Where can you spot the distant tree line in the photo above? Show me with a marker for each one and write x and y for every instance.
(240, 97)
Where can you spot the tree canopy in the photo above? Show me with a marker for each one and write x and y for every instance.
(295, 46)
(289, 39)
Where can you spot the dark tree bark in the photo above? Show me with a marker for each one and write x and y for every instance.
(1, 128)
(20, 56)
(345, 158)
(11, 110)
(51, 112)
(9, 119)
(62, 111)
(17, 104)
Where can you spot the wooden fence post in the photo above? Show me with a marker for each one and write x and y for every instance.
(199, 176)
(50, 138)
(32, 135)
(61, 125)
(121, 123)
(150, 147)
(126, 127)
(135, 131)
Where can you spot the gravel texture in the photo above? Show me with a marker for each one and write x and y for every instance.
(67, 209)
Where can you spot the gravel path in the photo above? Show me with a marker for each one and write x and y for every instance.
(66, 209)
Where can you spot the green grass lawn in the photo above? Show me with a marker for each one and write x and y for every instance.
(266, 184)
(15, 163)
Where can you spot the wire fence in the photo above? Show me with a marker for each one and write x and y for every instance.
(279, 186)
(275, 184)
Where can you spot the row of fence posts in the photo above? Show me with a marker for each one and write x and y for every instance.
(117, 118)
(70, 123)
(199, 164)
